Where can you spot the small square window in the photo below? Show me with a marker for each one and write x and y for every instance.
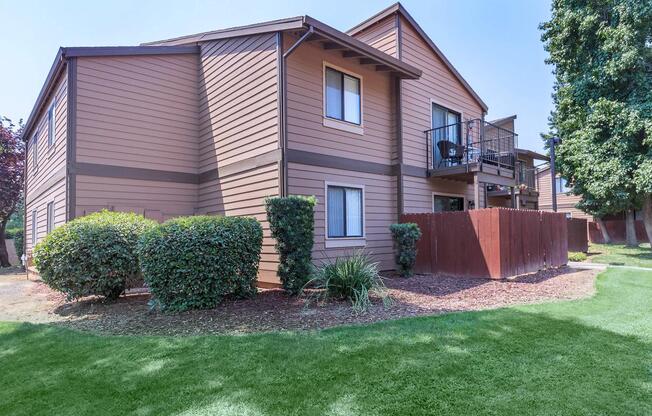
(345, 212)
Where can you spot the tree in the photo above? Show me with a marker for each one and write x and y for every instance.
(12, 159)
(601, 51)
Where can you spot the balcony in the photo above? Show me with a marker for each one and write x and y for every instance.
(462, 149)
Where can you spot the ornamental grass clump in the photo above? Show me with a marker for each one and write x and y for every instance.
(196, 262)
(405, 238)
(291, 221)
(92, 255)
(352, 278)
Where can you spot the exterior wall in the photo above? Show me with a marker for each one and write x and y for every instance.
(137, 112)
(47, 182)
(565, 202)
(239, 119)
(418, 192)
(305, 108)
(379, 208)
(382, 36)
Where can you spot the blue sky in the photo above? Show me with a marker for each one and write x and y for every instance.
(494, 44)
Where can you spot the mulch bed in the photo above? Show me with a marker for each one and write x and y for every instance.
(273, 310)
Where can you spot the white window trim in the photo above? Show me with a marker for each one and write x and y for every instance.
(343, 242)
(432, 199)
(34, 227)
(52, 139)
(49, 227)
(35, 155)
(333, 122)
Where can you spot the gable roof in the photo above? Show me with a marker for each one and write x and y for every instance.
(398, 8)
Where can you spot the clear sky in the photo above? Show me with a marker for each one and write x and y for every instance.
(494, 44)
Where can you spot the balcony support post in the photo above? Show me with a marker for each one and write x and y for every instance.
(476, 192)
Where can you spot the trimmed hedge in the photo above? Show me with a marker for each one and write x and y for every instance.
(292, 221)
(92, 255)
(405, 238)
(194, 262)
(18, 242)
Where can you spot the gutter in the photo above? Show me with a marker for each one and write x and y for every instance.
(284, 100)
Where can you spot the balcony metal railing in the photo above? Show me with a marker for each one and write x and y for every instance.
(473, 141)
(526, 176)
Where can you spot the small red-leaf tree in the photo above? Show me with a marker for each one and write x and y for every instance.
(12, 160)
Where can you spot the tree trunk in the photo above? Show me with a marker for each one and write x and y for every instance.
(630, 229)
(647, 217)
(4, 255)
(605, 234)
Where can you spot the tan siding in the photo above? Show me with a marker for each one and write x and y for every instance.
(379, 208)
(306, 130)
(565, 202)
(51, 166)
(238, 100)
(244, 194)
(138, 111)
(382, 36)
(418, 192)
(161, 200)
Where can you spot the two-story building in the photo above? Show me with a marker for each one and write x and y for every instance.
(374, 122)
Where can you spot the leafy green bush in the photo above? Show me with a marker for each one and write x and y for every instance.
(194, 262)
(352, 278)
(292, 220)
(10, 233)
(18, 242)
(92, 255)
(576, 256)
(405, 238)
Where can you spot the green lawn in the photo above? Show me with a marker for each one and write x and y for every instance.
(620, 254)
(590, 357)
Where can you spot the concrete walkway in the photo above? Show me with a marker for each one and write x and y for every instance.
(600, 266)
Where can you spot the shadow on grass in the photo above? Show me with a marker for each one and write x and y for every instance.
(499, 362)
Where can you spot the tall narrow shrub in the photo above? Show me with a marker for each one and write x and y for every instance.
(405, 238)
(292, 222)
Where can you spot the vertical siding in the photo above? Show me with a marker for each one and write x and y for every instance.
(382, 36)
(379, 208)
(138, 111)
(238, 115)
(238, 99)
(49, 178)
(565, 202)
(305, 112)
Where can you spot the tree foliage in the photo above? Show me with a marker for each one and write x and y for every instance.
(602, 56)
(12, 158)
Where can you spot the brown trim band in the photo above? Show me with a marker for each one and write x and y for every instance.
(318, 159)
(130, 50)
(46, 186)
(122, 172)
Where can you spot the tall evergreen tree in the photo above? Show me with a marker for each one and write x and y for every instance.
(602, 56)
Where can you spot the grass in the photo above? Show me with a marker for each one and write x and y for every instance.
(568, 358)
(620, 254)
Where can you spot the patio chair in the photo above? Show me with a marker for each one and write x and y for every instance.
(450, 151)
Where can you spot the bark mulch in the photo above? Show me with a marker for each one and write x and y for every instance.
(273, 310)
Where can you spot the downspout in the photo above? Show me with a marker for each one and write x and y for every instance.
(284, 100)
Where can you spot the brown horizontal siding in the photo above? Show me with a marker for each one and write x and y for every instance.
(417, 192)
(380, 208)
(437, 83)
(565, 202)
(305, 112)
(382, 36)
(238, 99)
(138, 111)
(47, 183)
(243, 194)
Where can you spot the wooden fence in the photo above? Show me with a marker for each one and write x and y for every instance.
(577, 235)
(494, 242)
(616, 230)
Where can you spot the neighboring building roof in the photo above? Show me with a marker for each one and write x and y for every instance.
(64, 53)
(398, 8)
(532, 154)
(504, 119)
(321, 30)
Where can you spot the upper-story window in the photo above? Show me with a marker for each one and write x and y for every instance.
(344, 211)
(343, 99)
(561, 185)
(35, 150)
(51, 124)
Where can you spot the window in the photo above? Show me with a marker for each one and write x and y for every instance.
(51, 125)
(446, 126)
(344, 207)
(561, 185)
(443, 203)
(50, 217)
(34, 226)
(342, 96)
(35, 150)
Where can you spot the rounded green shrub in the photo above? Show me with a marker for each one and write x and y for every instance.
(92, 255)
(405, 238)
(577, 256)
(292, 223)
(195, 262)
